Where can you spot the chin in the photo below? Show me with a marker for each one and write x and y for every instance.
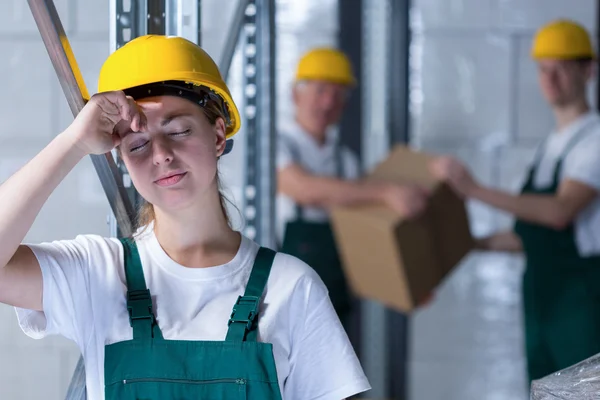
(554, 99)
(173, 201)
(558, 102)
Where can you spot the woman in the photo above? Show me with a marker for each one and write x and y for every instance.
(161, 315)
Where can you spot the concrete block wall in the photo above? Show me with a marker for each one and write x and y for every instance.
(474, 94)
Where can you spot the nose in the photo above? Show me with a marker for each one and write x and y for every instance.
(162, 153)
(327, 99)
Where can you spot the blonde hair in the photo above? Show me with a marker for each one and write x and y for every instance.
(146, 215)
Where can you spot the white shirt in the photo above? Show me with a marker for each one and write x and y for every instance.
(582, 164)
(84, 291)
(296, 146)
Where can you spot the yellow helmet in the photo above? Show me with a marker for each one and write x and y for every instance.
(157, 59)
(326, 64)
(563, 40)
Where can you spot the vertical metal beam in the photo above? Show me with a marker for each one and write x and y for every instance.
(398, 123)
(239, 20)
(375, 147)
(350, 34)
(155, 18)
(259, 51)
(183, 19)
(398, 71)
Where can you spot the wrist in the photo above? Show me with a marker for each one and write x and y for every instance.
(385, 193)
(374, 191)
(73, 146)
(475, 192)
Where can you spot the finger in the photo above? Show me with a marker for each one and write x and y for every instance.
(132, 108)
(135, 123)
(122, 102)
(143, 120)
(149, 105)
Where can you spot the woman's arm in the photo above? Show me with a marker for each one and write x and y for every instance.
(24, 193)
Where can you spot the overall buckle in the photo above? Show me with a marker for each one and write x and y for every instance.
(245, 311)
(139, 305)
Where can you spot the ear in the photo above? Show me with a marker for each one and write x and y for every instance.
(220, 136)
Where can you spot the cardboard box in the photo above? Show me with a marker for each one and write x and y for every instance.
(400, 262)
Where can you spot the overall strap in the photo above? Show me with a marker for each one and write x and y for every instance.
(139, 301)
(244, 317)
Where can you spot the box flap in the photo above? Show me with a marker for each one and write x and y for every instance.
(404, 165)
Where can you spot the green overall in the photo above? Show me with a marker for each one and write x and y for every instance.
(561, 290)
(314, 243)
(150, 367)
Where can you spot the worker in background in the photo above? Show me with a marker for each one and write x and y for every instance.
(315, 172)
(558, 210)
(186, 307)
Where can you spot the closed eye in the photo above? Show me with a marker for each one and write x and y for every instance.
(138, 147)
(184, 133)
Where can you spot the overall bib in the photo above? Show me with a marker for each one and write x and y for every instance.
(314, 243)
(150, 367)
(561, 290)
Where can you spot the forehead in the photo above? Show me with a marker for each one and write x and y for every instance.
(558, 64)
(325, 85)
(162, 110)
(162, 105)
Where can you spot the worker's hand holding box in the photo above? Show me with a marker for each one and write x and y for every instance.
(400, 261)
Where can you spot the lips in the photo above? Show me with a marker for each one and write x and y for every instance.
(170, 179)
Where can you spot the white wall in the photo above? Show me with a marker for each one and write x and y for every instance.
(475, 95)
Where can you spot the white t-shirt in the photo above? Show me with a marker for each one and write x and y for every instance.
(295, 146)
(84, 289)
(582, 164)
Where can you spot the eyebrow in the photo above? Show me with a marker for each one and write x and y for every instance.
(169, 118)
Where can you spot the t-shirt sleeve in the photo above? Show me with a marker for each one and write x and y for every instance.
(582, 164)
(66, 298)
(323, 363)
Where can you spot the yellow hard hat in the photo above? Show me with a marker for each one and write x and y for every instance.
(563, 40)
(326, 64)
(153, 59)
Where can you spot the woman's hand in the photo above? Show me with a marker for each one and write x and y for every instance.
(93, 130)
